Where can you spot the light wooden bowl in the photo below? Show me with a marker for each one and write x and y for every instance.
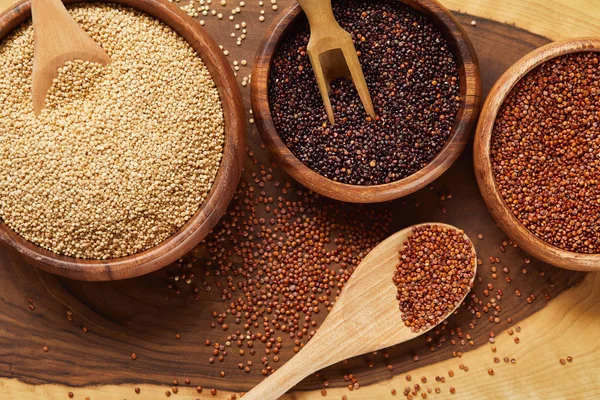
(483, 165)
(470, 92)
(215, 205)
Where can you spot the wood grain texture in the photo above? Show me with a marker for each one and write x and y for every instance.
(470, 93)
(366, 312)
(57, 39)
(141, 315)
(554, 19)
(483, 164)
(223, 188)
(574, 316)
(558, 331)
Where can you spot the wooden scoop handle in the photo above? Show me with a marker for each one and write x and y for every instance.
(320, 15)
(57, 38)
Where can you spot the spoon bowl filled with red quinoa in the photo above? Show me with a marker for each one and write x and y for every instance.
(537, 153)
(423, 77)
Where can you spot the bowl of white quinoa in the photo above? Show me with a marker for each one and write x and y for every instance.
(130, 165)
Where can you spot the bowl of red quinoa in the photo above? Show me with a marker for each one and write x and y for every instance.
(193, 184)
(537, 150)
(423, 76)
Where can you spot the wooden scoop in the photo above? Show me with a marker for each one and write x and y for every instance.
(332, 53)
(365, 318)
(57, 38)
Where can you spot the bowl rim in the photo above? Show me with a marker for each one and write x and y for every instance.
(528, 241)
(225, 183)
(466, 117)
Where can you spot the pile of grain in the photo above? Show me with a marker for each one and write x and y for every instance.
(124, 155)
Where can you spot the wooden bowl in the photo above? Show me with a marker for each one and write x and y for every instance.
(470, 92)
(224, 187)
(483, 164)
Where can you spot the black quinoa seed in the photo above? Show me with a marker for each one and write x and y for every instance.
(413, 80)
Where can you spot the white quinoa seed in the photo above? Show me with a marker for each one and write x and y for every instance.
(124, 155)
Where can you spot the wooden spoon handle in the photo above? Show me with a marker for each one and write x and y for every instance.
(319, 13)
(306, 362)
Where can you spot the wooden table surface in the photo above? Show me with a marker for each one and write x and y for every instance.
(140, 315)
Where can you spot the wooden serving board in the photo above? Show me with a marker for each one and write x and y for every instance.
(141, 316)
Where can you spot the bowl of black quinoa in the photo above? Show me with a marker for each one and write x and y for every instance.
(423, 77)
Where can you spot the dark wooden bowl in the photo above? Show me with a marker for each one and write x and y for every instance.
(223, 188)
(483, 164)
(470, 92)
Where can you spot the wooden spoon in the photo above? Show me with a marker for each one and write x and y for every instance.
(365, 318)
(57, 38)
(332, 53)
